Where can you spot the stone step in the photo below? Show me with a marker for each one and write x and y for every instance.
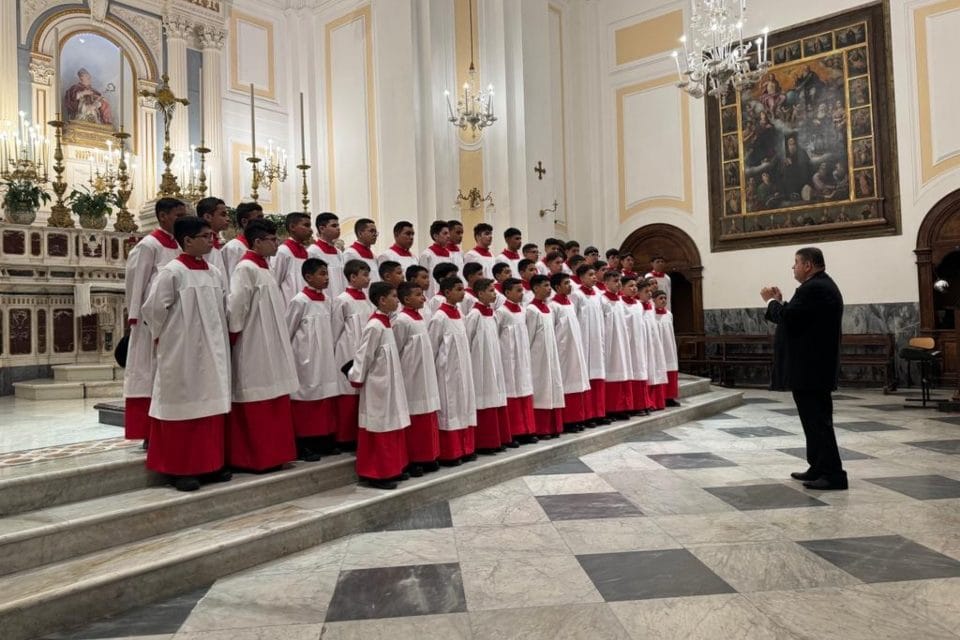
(75, 591)
(48, 389)
(83, 372)
(110, 413)
(105, 389)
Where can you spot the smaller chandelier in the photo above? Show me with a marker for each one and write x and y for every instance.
(718, 58)
(475, 106)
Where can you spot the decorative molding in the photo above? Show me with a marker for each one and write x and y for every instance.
(98, 9)
(150, 29)
(177, 27)
(150, 88)
(237, 17)
(42, 70)
(210, 5)
(930, 167)
(30, 10)
(211, 37)
(647, 38)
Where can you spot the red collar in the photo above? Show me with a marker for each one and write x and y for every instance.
(587, 290)
(356, 294)
(512, 255)
(413, 313)
(560, 299)
(453, 248)
(632, 274)
(630, 300)
(483, 309)
(242, 239)
(443, 252)
(326, 247)
(498, 287)
(611, 295)
(662, 312)
(657, 274)
(484, 252)
(164, 239)
(216, 241)
(576, 279)
(313, 294)
(400, 251)
(256, 259)
(513, 306)
(540, 304)
(525, 285)
(601, 286)
(363, 250)
(298, 250)
(382, 318)
(450, 310)
(647, 305)
(192, 263)
(471, 292)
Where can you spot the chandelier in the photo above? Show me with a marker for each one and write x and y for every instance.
(715, 56)
(475, 106)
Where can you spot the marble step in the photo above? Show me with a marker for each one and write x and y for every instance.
(103, 389)
(75, 591)
(83, 372)
(48, 389)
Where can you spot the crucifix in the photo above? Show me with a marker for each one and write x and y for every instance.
(166, 102)
(539, 170)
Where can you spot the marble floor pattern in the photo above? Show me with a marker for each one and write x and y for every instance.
(694, 532)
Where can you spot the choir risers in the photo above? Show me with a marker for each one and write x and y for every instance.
(109, 546)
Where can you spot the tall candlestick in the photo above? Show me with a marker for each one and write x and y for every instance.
(253, 125)
(203, 107)
(121, 97)
(303, 133)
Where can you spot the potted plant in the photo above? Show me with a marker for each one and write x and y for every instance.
(281, 222)
(92, 207)
(21, 200)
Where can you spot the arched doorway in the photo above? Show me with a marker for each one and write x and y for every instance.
(938, 258)
(683, 265)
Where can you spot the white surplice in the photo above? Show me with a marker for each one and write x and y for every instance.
(263, 364)
(669, 340)
(512, 259)
(185, 315)
(395, 254)
(656, 360)
(663, 284)
(310, 327)
(417, 362)
(451, 348)
(469, 300)
(616, 340)
(357, 251)
(639, 342)
(350, 315)
(482, 257)
(430, 258)
(573, 364)
(383, 399)
(589, 307)
(287, 268)
(544, 357)
(215, 258)
(514, 350)
(334, 259)
(485, 357)
(233, 252)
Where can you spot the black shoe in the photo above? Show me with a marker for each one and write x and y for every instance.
(307, 454)
(380, 484)
(186, 483)
(415, 471)
(485, 451)
(403, 476)
(828, 484)
(604, 421)
(347, 446)
(470, 457)
(672, 403)
(145, 445)
(528, 439)
(456, 462)
(429, 467)
(591, 424)
(223, 475)
(805, 476)
(513, 444)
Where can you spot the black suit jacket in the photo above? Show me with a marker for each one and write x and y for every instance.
(807, 341)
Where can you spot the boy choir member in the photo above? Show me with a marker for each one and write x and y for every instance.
(184, 314)
(573, 364)
(656, 361)
(472, 272)
(236, 248)
(548, 396)
(481, 254)
(530, 252)
(399, 251)
(383, 413)
(456, 237)
(550, 246)
(458, 403)
(637, 332)
(310, 330)
(147, 257)
(658, 265)
(592, 256)
(669, 340)
(618, 358)
(328, 231)
(589, 309)
(440, 272)
(501, 273)
(391, 272)
(366, 233)
(291, 254)
(626, 266)
(551, 264)
(437, 253)
(421, 277)
(528, 269)
(511, 253)
(613, 260)
(420, 380)
(493, 430)
(260, 428)
(214, 211)
(515, 355)
(351, 310)
(573, 263)
(571, 249)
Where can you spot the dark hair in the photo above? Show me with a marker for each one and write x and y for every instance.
(499, 268)
(813, 255)
(557, 279)
(188, 227)
(449, 283)
(553, 255)
(511, 232)
(538, 279)
(480, 228)
(528, 247)
(166, 205)
(658, 293)
(245, 210)
(510, 283)
(482, 283)
(379, 291)
(454, 223)
(573, 261)
(361, 225)
(570, 244)
(386, 267)
(414, 269)
(472, 268)
(599, 264)
(611, 275)
(626, 279)
(355, 267)
(582, 269)
(406, 289)
(624, 256)
(293, 218)
(310, 266)
(552, 242)
(323, 219)
(259, 229)
(444, 270)
(591, 250)
(611, 253)
(400, 226)
(209, 205)
(657, 256)
(437, 226)
(522, 265)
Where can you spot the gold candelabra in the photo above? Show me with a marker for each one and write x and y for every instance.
(196, 188)
(59, 212)
(125, 222)
(306, 196)
(255, 176)
(474, 198)
(167, 102)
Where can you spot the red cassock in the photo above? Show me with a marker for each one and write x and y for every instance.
(420, 382)
(260, 434)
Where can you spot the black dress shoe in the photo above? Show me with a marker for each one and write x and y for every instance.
(415, 471)
(307, 454)
(430, 467)
(380, 484)
(186, 483)
(456, 462)
(672, 403)
(805, 476)
(470, 457)
(513, 444)
(827, 484)
(223, 475)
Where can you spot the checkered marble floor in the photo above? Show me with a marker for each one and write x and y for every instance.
(695, 532)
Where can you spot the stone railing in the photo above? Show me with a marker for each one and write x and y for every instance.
(55, 251)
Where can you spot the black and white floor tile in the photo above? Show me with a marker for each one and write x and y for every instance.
(695, 532)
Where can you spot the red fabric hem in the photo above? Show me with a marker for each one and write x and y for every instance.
(573, 410)
(488, 428)
(260, 434)
(136, 421)
(619, 396)
(187, 447)
(423, 437)
(598, 399)
(381, 454)
(673, 385)
(348, 416)
(313, 418)
(520, 416)
(548, 421)
(457, 443)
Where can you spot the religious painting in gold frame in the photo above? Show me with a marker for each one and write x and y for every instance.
(808, 154)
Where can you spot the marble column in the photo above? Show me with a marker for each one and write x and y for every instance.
(211, 40)
(8, 61)
(178, 29)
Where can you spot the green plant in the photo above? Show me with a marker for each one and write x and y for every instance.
(93, 204)
(24, 194)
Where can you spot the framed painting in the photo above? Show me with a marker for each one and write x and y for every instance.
(808, 154)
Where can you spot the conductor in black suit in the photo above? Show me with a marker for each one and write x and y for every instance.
(806, 361)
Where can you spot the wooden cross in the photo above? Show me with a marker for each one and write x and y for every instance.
(539, 170)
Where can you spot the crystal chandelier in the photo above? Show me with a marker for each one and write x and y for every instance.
(714, 53)
(475, 106)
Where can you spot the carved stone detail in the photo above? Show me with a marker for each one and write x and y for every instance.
(41, 69)
(148, 28)
(98, 9)
(211, 37)
(177, 27)
(30, 10)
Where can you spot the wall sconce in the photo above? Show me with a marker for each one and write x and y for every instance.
(553, 209)
(474, 198)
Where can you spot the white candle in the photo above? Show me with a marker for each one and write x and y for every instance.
(253, 125)
(303, 133)
(203, 129)
(449, 106)
(676, 58)
(121, 96)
